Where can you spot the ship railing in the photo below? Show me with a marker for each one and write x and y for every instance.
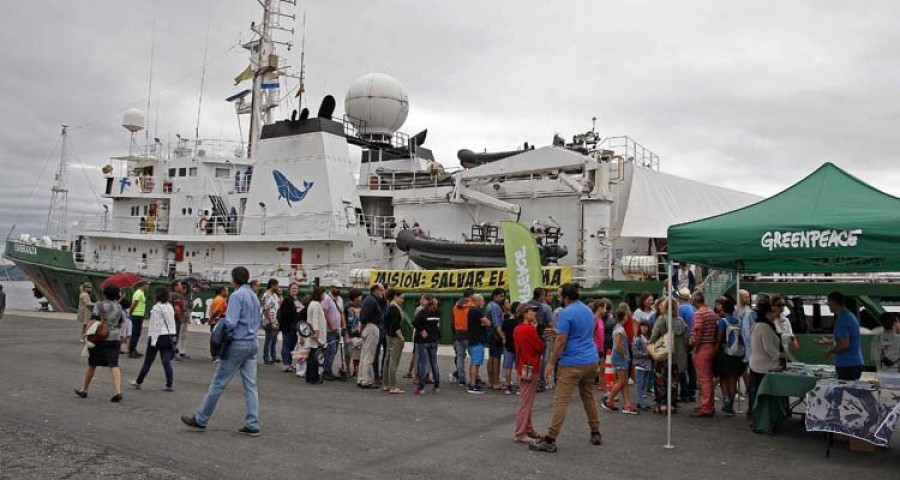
(130, 186)
(310, 224)
(200, 261)
(187, 148)
(145, 185)
(392, 181)
(629, 149)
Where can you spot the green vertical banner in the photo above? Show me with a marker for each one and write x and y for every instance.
(523, 260)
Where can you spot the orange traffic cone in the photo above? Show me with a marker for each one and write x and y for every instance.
(609, 373)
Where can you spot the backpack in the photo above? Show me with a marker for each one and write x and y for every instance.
(461, 316)
(734, 341)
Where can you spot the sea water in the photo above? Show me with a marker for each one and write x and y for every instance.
(19, 296)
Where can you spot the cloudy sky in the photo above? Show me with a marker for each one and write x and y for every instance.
(749, 97)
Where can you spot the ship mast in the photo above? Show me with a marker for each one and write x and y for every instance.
(58, 217)
(265, 66)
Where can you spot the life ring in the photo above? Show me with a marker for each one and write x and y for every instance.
(202, 224)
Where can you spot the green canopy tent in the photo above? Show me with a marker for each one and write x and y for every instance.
(829, 222)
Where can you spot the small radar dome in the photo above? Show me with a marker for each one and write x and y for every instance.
(133, 120)
(380, 101)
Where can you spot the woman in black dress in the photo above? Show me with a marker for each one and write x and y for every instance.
(105, 353)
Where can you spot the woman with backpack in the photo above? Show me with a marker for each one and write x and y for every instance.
(160, 339)
(104, 337)
(288, 316)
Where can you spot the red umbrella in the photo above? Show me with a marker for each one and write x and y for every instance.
(121, 280)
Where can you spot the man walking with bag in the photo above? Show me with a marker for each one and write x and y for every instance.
(241, 325)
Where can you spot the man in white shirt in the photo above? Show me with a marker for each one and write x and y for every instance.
(333, 305)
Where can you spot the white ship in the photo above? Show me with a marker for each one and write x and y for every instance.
(293, 203)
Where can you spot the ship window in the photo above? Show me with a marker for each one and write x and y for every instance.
(190, 211)
(171, 172)
(222, 172)
(192, 172)
(146, 209)
(184, 211)
(182, 172)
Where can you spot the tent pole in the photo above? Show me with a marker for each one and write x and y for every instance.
(737, 296)
(670, 341)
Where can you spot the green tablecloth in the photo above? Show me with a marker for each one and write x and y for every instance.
(772, 405)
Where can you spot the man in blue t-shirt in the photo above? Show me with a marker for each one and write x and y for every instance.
(576, 353)
(848, 358)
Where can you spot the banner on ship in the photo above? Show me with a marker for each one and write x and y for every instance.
(479, 279)
(523, 261)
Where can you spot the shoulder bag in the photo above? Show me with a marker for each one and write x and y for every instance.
(659, 350)
(101, 331)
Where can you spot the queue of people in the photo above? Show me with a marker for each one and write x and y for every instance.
(526, 347)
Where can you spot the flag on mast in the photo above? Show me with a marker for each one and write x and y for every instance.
(247, 74)
(300, 90)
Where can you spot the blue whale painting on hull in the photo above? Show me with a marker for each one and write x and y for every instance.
(288, 190)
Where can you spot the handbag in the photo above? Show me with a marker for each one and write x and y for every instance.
(659, 350)
(527, 372)
(101, 331)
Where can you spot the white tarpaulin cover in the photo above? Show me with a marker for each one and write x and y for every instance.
(658, 200)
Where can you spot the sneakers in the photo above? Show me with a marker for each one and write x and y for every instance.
(135, 385)
(250, 432)
(475, 389)
(543, 445)
(418, 391)
(436, 390)
(608, 406)
(728, 410)
(629, 410)
(168, 388)
(191, 421)
(510, 390)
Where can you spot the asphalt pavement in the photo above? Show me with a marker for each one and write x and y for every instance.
(338, 431)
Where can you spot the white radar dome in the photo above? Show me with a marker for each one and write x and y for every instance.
(133, 120)
(380, 101)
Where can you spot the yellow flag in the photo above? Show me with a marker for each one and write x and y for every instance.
(247, 74)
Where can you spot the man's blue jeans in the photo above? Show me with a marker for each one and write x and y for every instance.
(241, 358)
(461, 345)
(330, 351)
(270, 344)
